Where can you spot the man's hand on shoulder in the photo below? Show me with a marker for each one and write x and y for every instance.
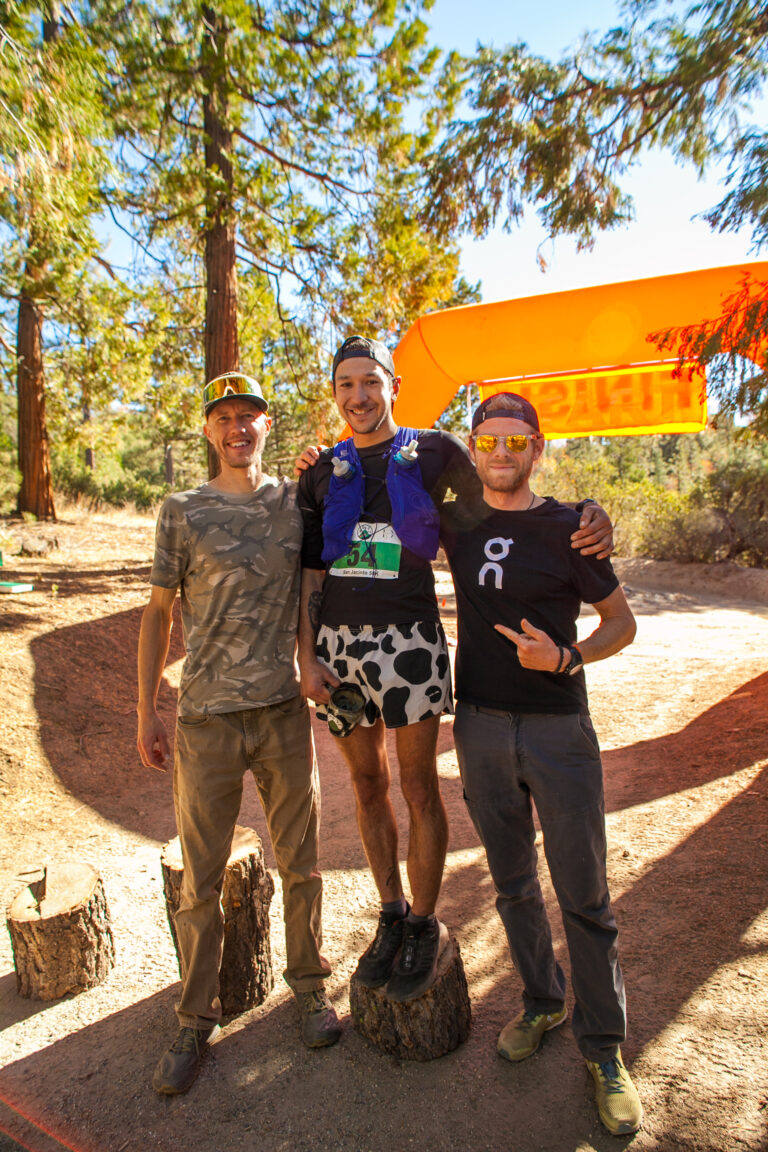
(594, 536)
(152, 741)
(317, 681)
(534, 648)
(308, 458)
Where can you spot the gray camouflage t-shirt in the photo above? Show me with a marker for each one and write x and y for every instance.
(236, 560)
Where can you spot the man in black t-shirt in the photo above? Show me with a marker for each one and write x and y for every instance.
(523, 733)
(369, 621)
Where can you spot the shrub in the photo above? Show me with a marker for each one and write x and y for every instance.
(682, 530)
(112, 486)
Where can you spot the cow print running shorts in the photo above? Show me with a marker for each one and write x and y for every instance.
(403, 669)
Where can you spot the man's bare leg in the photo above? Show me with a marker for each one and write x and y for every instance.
(425, 937)
(365, 752)
(405, 952)
(428, 840)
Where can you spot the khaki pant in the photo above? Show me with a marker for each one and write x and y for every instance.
(212, 756)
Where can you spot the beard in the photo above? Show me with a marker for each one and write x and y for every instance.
(508, 481)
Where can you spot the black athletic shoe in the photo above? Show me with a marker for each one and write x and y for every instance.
(416, 967)
(376, 964)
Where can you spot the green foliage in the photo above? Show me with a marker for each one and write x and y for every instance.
(53, 153)
(455, 418)
(561, 135)
(284, 123)
(128, 470)
(309, 100)
(392, 271)
(82, 485)
(572, 477)
(9, 477)
(688, 498)
(724, 517)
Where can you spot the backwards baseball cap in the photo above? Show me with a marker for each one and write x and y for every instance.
(506, 405)
(355, 346)
(233, 384)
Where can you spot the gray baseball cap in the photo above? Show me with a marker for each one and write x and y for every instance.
(518, 408)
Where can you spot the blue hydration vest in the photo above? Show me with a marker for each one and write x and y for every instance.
(414, 516)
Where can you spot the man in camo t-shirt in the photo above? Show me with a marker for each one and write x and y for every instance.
(232, 548)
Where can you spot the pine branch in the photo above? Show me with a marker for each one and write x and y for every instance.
(284, 162)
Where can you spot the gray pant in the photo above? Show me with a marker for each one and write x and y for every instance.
(506, 759)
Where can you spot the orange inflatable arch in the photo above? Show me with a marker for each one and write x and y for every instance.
(581, 357)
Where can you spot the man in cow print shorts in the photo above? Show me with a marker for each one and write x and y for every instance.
(369, 621)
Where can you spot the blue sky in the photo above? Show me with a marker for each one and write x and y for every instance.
(664, 238)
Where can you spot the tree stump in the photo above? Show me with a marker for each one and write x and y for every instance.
(245, 977)
(61, 933)
(420, 1029)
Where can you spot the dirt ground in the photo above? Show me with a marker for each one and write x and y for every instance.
(682, 717)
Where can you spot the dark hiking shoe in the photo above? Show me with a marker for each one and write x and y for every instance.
(617, 1100)
(376, 964)
(180, 1065)
(522, 1036)
(319, 1023)
(416, 967)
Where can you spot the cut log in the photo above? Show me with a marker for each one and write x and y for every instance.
(61, 933)
(245, 977)
(421, 1029)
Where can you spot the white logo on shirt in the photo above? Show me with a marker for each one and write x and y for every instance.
(495, 549)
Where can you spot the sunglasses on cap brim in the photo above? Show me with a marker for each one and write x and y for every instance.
(233, 384)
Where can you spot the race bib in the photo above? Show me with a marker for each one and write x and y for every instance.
(375, 552)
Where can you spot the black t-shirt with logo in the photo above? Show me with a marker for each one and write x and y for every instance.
(380, 581)
(513, 565)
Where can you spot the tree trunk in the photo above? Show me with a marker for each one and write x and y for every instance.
(89, 455)
(61, 933)
(245, 977)
(421, 1029)
(222, 352)
(51, 20)
(36, 492)
(168, 465)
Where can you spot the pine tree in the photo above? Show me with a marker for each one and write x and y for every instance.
(267, 140)
(51, 162)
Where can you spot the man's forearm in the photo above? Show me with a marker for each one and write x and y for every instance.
(609, 637)
(154, 641)
(616, 629)
(317, 680)
(312, 580)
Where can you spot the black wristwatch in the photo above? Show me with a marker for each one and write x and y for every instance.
(576, 661)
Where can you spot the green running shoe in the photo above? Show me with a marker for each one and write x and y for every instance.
(522, 1036)
(617, 1100)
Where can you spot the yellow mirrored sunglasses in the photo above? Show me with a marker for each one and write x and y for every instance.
(517, 442)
